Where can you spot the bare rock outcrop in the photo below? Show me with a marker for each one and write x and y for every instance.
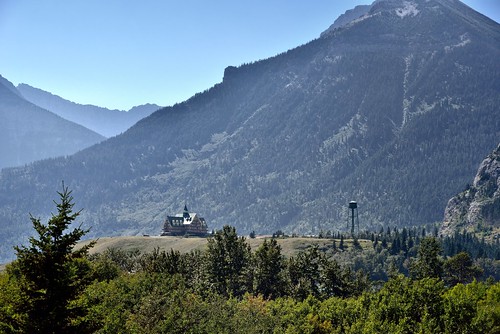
(478, 207)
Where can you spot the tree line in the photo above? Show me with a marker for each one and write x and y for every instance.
(53, 287)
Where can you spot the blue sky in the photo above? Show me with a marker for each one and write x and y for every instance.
(119, 54)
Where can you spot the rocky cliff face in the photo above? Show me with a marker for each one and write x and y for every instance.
(477, 209)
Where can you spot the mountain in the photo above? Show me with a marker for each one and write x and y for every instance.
(348, 17)
(394, 110)
(107, 122)
(29, 133)
(477, 208)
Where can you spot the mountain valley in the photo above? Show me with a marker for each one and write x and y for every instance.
(395, 109)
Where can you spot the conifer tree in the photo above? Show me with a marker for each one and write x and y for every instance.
(269, 265)
(228, 263)
(51, 272)
(341, 245)
(429, 262)
(460, 269)
(304, 273)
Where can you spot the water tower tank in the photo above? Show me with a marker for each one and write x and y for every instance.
(353, 207)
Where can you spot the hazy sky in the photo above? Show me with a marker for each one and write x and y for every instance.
(119, 54)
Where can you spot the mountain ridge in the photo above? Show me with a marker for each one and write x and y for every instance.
(29, 132)
(107, 122)
(394, 111)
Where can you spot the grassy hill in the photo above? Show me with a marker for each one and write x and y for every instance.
(145, 244)
(289, 246)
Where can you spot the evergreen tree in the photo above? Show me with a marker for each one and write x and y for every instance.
(51, 272)
(355, 244)
(396, 245)
(304, 273)
(429, 262)
(269, 264)
(461, 269)
(162, 262)
(333, 279)
(228, 263)
(384, 242)
(341, 244)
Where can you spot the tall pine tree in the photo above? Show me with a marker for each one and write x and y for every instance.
(268, 270)
(228, 263)
(51, 272)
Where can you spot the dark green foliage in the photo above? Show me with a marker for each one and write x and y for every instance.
(268, 266)
(468, 310)
(429, 262)
(51, 273)
(162, 262)
(355, 243)
(460, 269)
(341, 244)
(104, 268)
(406, 306)
(470, 243)
(304, 273)
(312, 273)
(278, 233)
(392, 254)
(263, 292)
(125, 260)
(336, 281)
(155, 303)
(228, 263)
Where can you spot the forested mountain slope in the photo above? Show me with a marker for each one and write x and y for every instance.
(394, 110)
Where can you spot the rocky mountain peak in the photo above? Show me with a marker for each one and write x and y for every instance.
(6, 88)
(348, 17)
(478, 207)
(434, 17)
(488, 174)
(400, 8)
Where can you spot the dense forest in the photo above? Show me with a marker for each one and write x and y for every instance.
(393, 281)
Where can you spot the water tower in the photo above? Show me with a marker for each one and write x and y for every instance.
(353, 207)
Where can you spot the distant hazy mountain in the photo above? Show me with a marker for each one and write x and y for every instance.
(29, 133)
(477, 208)
(394, 110)
(101, 120)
